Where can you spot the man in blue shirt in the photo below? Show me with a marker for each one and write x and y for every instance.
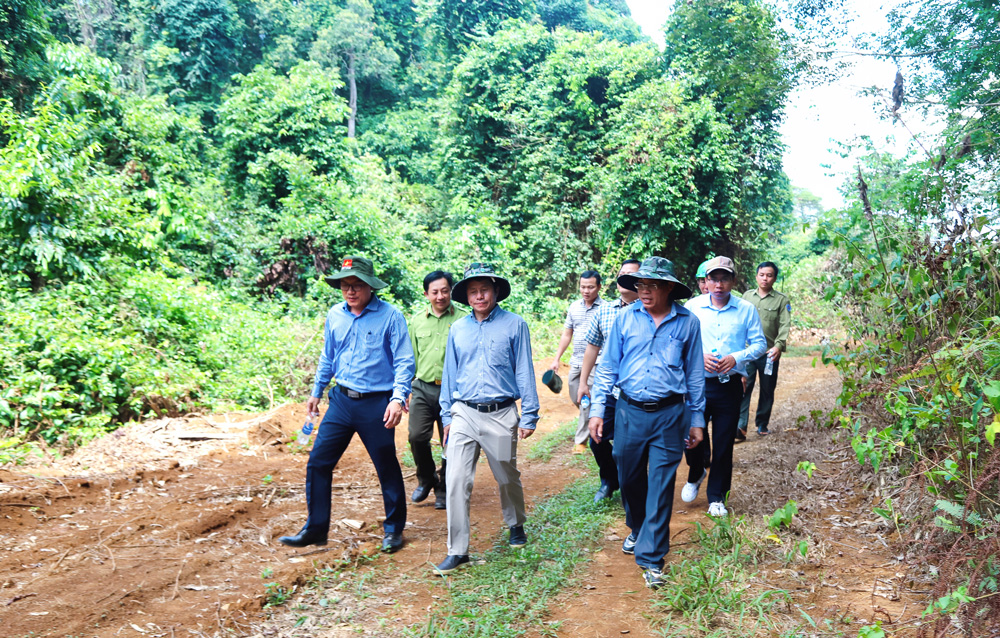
(367, 353)
(731, 335)
(487, 367)
(653, 354)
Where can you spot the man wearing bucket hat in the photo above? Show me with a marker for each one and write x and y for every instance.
(653, 354)
(367, 353)
(487, 368)
(731, 336)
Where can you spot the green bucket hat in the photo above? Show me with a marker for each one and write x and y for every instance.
(656, 268)
(480, 271)
(702, 270)
(359, 267)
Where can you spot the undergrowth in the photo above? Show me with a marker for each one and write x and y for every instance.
(509, 594)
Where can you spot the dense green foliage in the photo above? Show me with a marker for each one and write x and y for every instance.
(177, 176)
(917, 277)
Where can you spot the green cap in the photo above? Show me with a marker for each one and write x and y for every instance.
(656, 268)
(702, 270)
(359, 267)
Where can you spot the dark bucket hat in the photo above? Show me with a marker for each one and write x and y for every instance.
(552, 380)
(480, 271)
(359, 267)
(656, 268)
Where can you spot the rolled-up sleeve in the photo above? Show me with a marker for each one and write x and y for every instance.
(694, 373)
(755, 337)
(524, 374)
(403, 363)
(594, 336)
(448, 382)
(324, 369)
(606, 376)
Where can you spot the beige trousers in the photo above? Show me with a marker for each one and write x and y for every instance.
(582, 431)
(496, 435)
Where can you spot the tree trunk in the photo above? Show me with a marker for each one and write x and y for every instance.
(353, 100)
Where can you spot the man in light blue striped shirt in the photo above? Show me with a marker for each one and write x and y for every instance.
(367, 353)
(731, 335)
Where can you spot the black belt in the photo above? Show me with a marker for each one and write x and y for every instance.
(490, 407)
(354, 394)
(653, 406)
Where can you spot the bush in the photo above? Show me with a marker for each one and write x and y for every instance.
(79, 360)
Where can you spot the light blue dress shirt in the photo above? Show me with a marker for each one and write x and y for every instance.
(489, 361)
(734, 329)
(370, 352)
(650, 362)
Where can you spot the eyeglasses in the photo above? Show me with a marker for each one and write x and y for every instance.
(352, 287)
(640, 286)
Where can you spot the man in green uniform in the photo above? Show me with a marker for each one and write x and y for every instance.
(429, 335)
(775, 318)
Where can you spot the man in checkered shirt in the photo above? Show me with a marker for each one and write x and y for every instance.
(600, 326)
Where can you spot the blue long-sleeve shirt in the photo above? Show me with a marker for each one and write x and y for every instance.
(733, 329)
(650, 362)
(370, 352)
(489, 361)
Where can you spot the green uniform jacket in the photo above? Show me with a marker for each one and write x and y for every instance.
(429, 336)
(775, 312)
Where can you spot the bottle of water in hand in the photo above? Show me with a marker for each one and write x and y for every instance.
(723, 376)
(769, 366)
(585, 403)
(307, 430)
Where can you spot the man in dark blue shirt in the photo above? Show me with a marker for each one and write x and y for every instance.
(367, 353)
(653, 354)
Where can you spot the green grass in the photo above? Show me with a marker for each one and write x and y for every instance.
(709, 591)
(509, 595)
(546, 445)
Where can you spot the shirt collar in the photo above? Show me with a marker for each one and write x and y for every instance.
(638, 307)
(490, 317)
(429, 312)
(373, 305)
(705, 301)
(597, 302)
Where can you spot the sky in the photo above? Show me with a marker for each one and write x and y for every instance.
(818, 117)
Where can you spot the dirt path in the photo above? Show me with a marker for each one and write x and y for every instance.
(171, 525)
(169, 528)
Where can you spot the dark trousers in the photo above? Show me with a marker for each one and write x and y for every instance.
(604, 453)
(648, 448)
(765, 399)
(425, 411)
(722, 408)
(343, 418)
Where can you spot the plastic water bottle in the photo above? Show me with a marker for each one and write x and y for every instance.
(307, 430)
(724, 377)
(769, 367)
(585, 403)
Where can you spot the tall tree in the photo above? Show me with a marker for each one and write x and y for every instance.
(23, 36)
(350, 42)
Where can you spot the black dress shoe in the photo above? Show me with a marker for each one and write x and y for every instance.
(741, 435)
(603, 492)
(304, 539)
(517, 536)
(451, 563)
(421, 493)
(392, 542)
(440, 500)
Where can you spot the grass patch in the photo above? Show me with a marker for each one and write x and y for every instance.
(545, 446)
(509, 595)
(710, 593)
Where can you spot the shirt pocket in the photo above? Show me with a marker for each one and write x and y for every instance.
(768, 315)
(669, 352)
(371, 338)
(499, 354)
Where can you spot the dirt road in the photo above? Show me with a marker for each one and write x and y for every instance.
(169, 528)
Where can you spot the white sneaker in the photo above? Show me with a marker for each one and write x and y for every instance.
(717, 509)
(690, 490)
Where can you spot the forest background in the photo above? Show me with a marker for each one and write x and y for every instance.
(177, 175)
